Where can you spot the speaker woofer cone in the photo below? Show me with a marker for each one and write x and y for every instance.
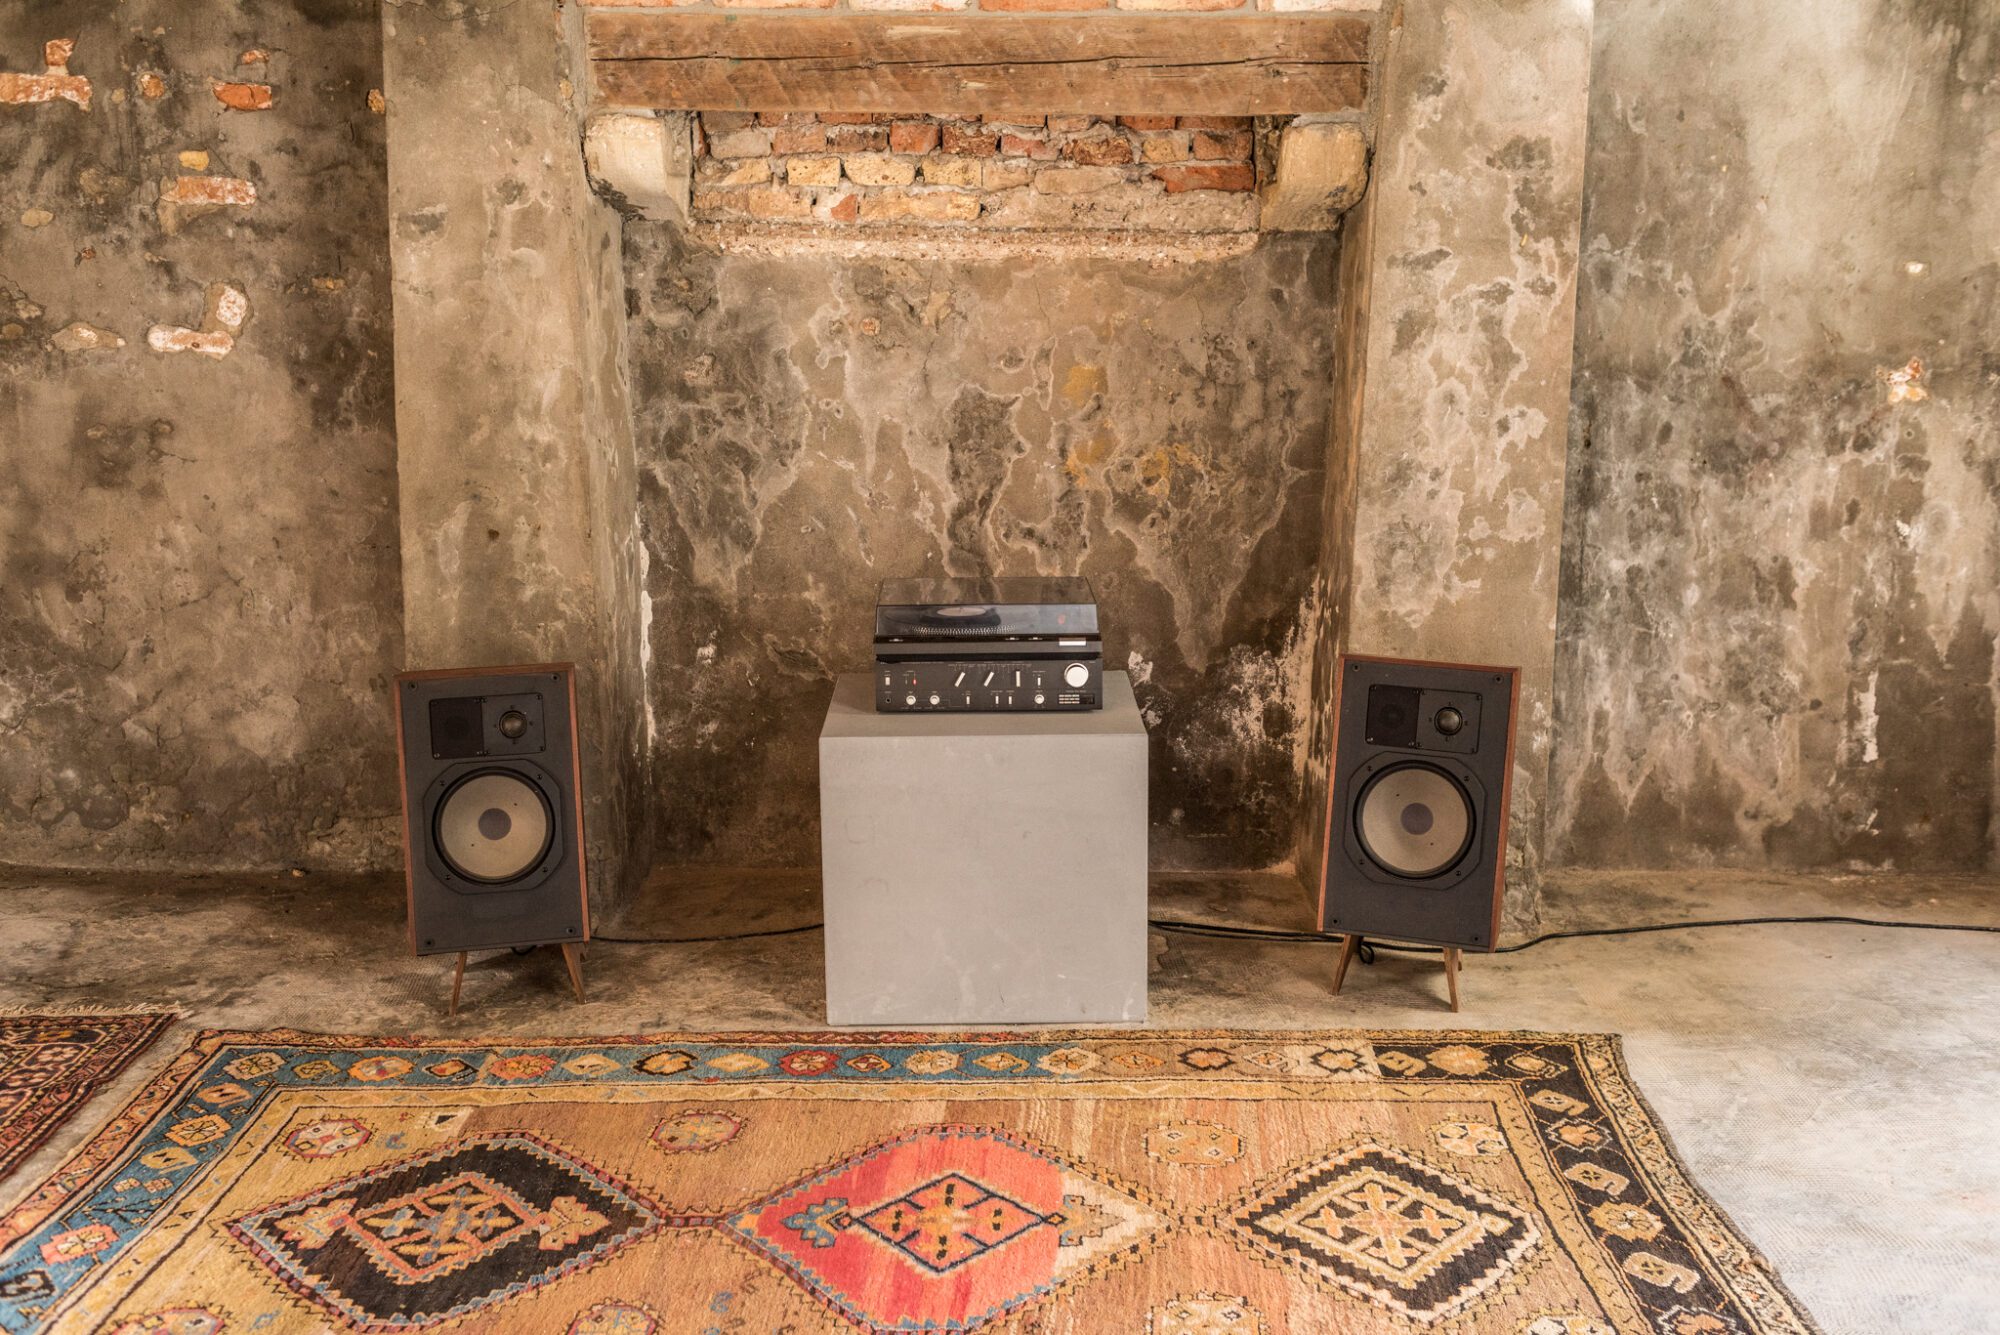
(1415, 821)
(494, 826)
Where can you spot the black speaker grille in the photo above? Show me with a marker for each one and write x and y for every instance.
(1392, 715)
(456, 730)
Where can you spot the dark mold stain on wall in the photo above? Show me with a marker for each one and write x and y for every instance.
(809, 425)
(1782, 550)
(199, 602)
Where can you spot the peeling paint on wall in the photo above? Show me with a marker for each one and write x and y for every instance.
(227, 309)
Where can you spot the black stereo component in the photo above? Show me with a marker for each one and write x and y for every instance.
(1416, 820)
(987, 646)
(492, 807)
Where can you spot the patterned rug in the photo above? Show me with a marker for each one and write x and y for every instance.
(52, 1063)
(1091, 1183)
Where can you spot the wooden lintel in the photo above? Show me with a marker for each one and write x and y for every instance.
(1267, 65)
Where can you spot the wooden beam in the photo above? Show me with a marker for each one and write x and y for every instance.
(993, 64)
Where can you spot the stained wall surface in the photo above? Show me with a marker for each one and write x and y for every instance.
(809, 425)
(1454, 368)
(517, 483)
(1781, 574)
(199, 598)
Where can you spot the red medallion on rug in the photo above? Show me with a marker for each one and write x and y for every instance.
(944, 1228)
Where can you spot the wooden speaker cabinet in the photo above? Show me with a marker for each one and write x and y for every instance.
(492, 810)
(1417, 794)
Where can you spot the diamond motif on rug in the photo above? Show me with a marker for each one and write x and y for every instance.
(432, 1238)
(943, 1229)
(1384, 1225)
(943, 1224)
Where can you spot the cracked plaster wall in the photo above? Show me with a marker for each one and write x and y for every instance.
(519, 504)
(809, 425)
(199, 603)
(1781, 542)
(1454, 381)
(1781, 582)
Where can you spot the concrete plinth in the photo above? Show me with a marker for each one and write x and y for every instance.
(983, 868)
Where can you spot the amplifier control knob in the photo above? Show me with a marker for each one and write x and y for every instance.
(1038, 697)
(909, 699)
(1077, 675)
(934, 697)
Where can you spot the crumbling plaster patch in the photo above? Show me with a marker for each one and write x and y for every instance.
(1782, 576)
(198, 592)
(54, 84)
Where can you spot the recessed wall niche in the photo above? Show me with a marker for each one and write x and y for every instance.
(809, 424)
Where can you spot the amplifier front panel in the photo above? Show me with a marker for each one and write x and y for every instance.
(990, 686)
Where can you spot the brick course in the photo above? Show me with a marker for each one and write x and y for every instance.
(1008, 171)
(963, 139)
(913, 136)
(1239, 176)
(858, 138)
(799, 139)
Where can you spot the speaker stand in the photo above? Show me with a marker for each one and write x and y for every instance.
(1350, 946)
(572, 960)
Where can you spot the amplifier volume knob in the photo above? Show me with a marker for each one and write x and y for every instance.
(1038, 697)
(934, 697)
(909, 699)
(1076, 674)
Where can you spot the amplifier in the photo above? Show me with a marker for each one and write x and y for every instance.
(987, 646)
(999, 683)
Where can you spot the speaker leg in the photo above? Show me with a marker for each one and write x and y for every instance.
(1451, 975)
(457, 981)
(573, 957)
(1350, 946)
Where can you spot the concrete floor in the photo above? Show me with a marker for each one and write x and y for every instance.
(1836, 1089)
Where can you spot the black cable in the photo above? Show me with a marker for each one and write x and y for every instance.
(1226, 931)
(1835, 918)
(701, 940)
(1369, 945)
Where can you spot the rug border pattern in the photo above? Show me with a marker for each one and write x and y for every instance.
(48, 1110)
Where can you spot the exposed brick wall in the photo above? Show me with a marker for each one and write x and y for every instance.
(200, 574)
(1157, 173)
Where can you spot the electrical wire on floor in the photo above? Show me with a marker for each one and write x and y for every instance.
(703, 940)
(1225, 931)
